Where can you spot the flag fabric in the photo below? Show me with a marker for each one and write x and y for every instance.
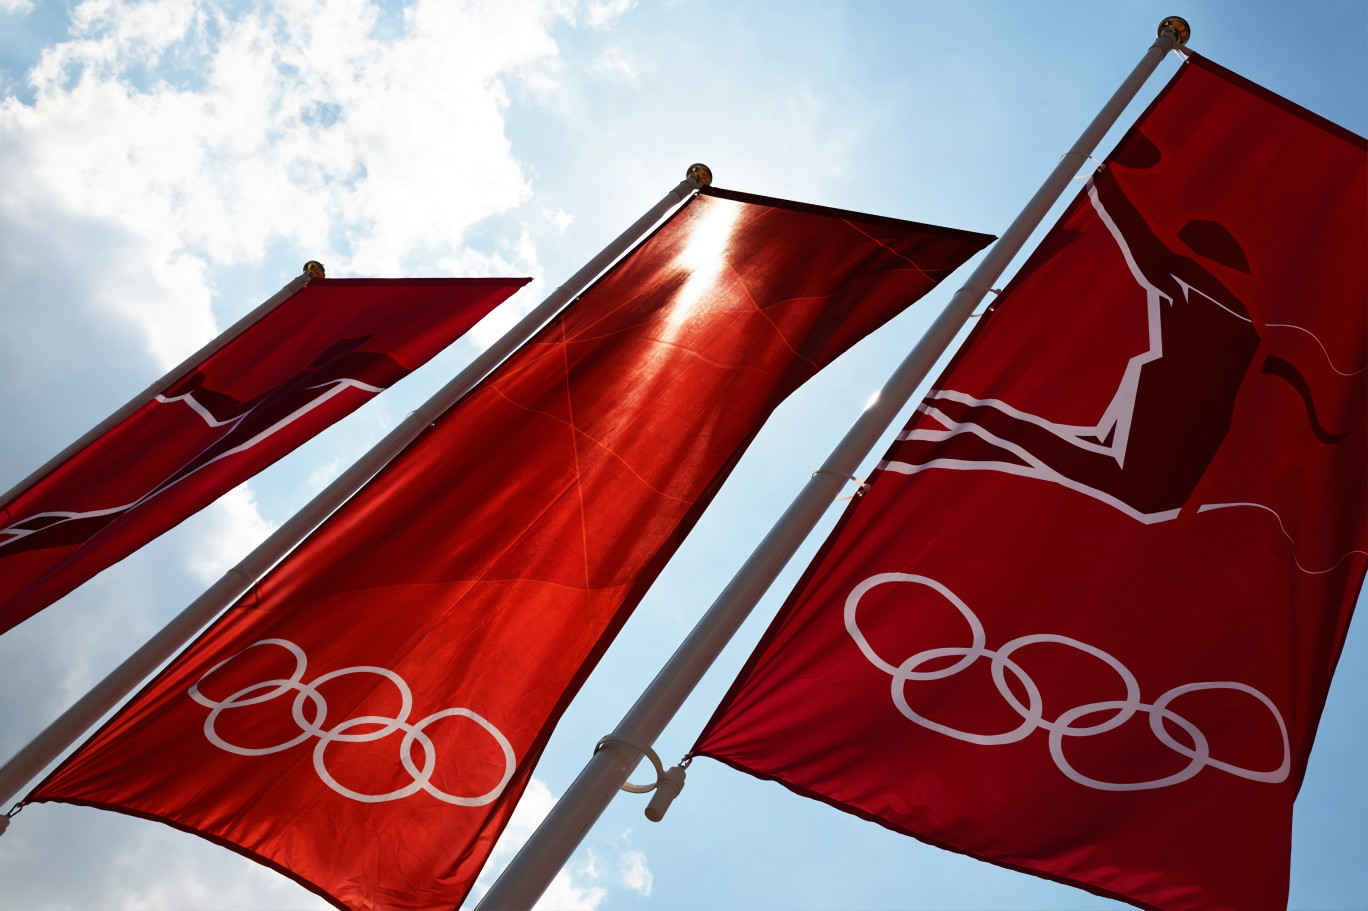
(365, 719)
(1083, 622)
(311, 360)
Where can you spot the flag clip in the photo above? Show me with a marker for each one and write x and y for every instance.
(667, 784)
(1101, 166)
(864, 485)
(4, 820)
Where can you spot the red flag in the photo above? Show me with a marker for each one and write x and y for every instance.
(366, 719)
(310, 361)
(1084, 620)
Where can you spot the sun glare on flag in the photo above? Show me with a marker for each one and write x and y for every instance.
(703, 259)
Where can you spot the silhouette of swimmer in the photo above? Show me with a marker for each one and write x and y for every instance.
(240, 423)
(1174, 405)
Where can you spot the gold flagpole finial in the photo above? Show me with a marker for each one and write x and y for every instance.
(700, 172)
(314, 269)
(1178, 25)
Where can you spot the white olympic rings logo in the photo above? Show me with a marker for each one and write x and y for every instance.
(265, 691)
(1199, 754)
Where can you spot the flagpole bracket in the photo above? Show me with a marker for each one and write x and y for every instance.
(864, 485)
(667, 785)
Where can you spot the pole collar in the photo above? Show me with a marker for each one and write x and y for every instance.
(859, 492)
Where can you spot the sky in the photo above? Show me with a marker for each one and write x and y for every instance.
(167, 165)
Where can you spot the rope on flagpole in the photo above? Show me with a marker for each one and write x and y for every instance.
(534, 866)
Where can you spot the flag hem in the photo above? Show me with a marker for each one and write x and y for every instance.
(420, 282)
(1279, 101)
(847, 214)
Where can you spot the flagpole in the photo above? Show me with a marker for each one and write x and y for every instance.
(54, 740)
(525, 879)
(175, 373)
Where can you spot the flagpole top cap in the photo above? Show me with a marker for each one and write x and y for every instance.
(314, 269)
(1178, 25)
(700, 172)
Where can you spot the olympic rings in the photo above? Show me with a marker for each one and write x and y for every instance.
(308, 694)
(1032, 711)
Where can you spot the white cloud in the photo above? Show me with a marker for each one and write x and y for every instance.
(559, 218)
(600, 13)
(613, 61)
(17, 7)
(575, 887)
(635, 874)
(235, 526)
(323, 475)
(583, 883)
(297, 127)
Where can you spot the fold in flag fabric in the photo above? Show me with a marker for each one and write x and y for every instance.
(313, 359)
(366, 718)
(1083, 622)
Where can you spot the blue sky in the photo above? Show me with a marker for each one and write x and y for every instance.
(166, 165)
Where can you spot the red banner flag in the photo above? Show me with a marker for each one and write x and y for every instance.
(1084, 620)
(313, 359)
(366, 719)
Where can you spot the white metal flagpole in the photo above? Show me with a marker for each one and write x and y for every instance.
(312, 269)
(532, 869)
(109, 692)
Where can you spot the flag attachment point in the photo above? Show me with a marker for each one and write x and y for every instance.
(700, 172)
(841, 474)
(667, 784)
(314, 269)
(4, 819)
